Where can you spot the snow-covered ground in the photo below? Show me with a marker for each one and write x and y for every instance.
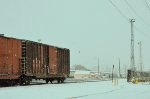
(82, 90)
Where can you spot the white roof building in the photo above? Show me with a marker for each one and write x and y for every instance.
(81, 74)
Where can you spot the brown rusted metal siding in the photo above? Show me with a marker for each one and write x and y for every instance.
(65, 61)
(29, 58)
(68, 62)
(3, 56)
(10, 55)
(37, 59)
(53, 60)
(16, 56)
(60, 60)
(47, 61)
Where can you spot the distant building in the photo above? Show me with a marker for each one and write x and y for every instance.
(80, 74)
(123, 75)
(83, 74)
(72, 72)
(106, 74)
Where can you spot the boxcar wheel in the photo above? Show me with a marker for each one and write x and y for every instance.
(27, 82)
(47, 81)
(21, 83)
(62, 80)
(51, 81)
(58, 81)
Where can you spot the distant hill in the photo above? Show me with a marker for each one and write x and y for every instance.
(79, 67)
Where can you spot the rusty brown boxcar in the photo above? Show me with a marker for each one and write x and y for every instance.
(24, 60)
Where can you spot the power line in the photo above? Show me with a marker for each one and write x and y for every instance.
(145, 23)
(126, 18)
(123, 15)
(141, 32)
(147, 5)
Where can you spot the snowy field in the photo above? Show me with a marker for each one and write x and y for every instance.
(81, 90)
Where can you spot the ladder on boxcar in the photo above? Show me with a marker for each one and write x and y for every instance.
(23, 59)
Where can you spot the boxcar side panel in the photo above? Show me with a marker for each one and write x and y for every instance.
(37, 59)
(68, 62)
(10, 55)
(3, 56)
(53, 60)
(16, 57)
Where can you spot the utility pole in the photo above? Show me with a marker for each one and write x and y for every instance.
(98, 66)
(132, 64)
(112, 73)
(140, 56)
(119, 68)
(125, 70)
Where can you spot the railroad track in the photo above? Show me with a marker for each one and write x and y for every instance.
(55, 82)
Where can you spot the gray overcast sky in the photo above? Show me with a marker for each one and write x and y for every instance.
(89, 28)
